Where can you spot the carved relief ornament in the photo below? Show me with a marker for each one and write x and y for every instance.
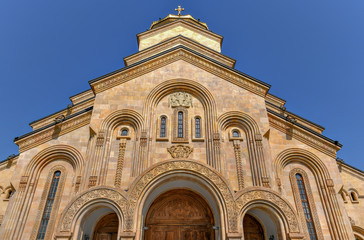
(180, 151)
(180, 99)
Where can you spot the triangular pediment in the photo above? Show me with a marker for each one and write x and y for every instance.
(175, 54)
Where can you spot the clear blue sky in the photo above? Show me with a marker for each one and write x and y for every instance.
(311, 52)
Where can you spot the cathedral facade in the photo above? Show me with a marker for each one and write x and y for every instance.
(178, 144)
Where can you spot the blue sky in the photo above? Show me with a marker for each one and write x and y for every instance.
(311, 52)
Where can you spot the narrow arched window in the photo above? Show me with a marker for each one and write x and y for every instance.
(306, 207)
(197, 127)
(124, 132)
(180, 124)
(48, 207)
(163, 127)
(236, 133)
(353, 196)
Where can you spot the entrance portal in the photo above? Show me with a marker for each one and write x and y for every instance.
(179, 215)
(253, 230)
(107, 228)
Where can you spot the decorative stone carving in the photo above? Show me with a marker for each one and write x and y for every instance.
(92, 181)
(180, 151)
(23, 183)
(267, 195)
(119, 168)
(190, 166)
(77, 184)
(180, 99)
(239, 169)
(99, 193)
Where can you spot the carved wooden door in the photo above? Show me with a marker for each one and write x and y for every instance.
(107, 228)
(252, 229)
(179, 215)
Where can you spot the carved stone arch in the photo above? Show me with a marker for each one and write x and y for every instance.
(358, 231)
(216, 182)
(208, 102)
(248, 197)
(125, 115)
(64, 152)
(84, 200)
(254, 144)
(325, 186)
(189, 86)
(302, 156)
(238, 118)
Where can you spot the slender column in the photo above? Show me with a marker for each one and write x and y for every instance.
(236, 144)
(140, 164)
(217, 162)
(119, 167)
(97, 159)
(261, 160)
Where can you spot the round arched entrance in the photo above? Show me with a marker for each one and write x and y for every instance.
(252, 228)
(107, 227)
(179, 214)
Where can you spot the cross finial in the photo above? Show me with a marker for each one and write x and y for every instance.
(179, 9)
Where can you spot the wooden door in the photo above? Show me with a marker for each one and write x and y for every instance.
(107, 228)
(179, 215)
(253, 230)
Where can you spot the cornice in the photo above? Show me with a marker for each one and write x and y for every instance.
(312, 139)
(179, 53)
(37, 124)
(179, 40)
(350, 169)
(51, 132)
(282, 111)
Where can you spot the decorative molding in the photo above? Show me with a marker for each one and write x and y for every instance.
(119, 167)
(180, 99)
(180, 151)
(99, 193)
(55, 206)
(92, 181)
(178, 165)
(237, 151)
(53, 132)
(311, 202)
(23, 183)
(77, 184)
(173, 56)
(255, 194)
(302, 135)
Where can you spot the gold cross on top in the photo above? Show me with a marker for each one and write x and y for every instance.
(179, 9)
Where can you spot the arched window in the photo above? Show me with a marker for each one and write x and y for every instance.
(306, 207)
(163, 127)
(197, 127)
(180, 124)
(354, 198)
(124, 132)
(236, 133)
(48, 207)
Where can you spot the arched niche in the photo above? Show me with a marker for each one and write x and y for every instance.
(275, 214)
(182, 174)
(75, 218)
